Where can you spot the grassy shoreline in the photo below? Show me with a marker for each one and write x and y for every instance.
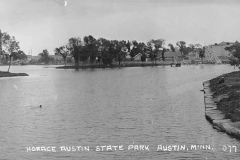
(227, 95)
(136, 64)
(9, 74)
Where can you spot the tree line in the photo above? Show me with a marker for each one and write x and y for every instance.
(103, 51)
(95, 51)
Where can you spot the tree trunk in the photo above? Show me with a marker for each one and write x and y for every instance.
(64, 59)
(9, 63)
(77, 65)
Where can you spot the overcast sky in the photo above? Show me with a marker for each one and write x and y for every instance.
(47, 24)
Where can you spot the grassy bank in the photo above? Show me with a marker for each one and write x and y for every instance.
(227, 95)
(9, 74)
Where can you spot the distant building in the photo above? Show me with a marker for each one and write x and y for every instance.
(128, 57)
(56, 58)
(159, 53)
(33, 58)
(137, 57)
(172, 56)
(217, 52)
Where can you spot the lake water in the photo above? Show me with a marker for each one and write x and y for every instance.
(148, 106)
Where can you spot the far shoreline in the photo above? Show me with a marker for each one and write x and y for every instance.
(134, 64)
(123, 65)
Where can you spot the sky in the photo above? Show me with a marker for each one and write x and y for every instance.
(47, 24)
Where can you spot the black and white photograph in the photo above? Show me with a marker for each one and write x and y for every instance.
(119, 79)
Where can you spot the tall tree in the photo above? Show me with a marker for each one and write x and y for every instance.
(45, 56)
(76, 49)
(63, 51)
(22, 55)
(182, 47)
(158, 43)
(191, 46)
(19, 55)
(149, 46)
(121, 51)
(171, 47)
(163, 52)
(142, 46)
(128, 45)
(154, 47)
(105, 55)
(10, 45)
(202, 53)
(133, 52)
(235, 53)
(187, 50)
(90, 48)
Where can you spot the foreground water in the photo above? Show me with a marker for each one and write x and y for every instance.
(147, 106)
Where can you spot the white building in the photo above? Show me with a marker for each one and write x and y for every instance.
(172, 56)
(217, 53)
(34, 58)
(56, 57)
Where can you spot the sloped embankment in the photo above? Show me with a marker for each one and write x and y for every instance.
(222, 103)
